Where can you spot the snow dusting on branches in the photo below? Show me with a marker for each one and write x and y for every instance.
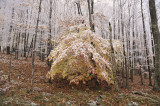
(81, 55)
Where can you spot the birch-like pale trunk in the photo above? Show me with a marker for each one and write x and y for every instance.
(128, 45)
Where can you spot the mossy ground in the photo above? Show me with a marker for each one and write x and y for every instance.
(47, 94)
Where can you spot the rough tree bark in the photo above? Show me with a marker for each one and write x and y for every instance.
(156, 36)
(34, 45)
(10, 48)
(25, 37)
(122, 31)
(114, 67)
(49, 46)
(145, 45)
(133, 42)
(91, 12)
(114, 23)
(128, 46)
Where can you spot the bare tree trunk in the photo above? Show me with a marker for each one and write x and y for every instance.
(16, 46)
(133, 43)
(19, 38)
(34, 46)
(79, 8)
(1, 39)
(25, 37)
(114, 24)
(155, 31)
(10, 62)
(49, 46)
(128, 48)
(122, 31)
(10, 30)
(153, 49)
(27, 45)
(22, 42)
(30, 47)
(114, 67)
(91, 12)
(10, 67)
(10, 48)
(24, 54)
(145, 45)
(141, 74)
(127, 66)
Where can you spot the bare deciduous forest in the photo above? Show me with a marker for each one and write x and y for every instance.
(80, 52)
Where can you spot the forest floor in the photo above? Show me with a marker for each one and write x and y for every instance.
(17, 91)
